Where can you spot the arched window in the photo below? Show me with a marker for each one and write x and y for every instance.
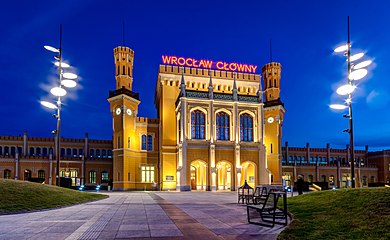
(92, 153)
(68, 152)
(81, 152)
(32, 151)
(44, 152)
(13, 151)
(1, 150)
(197, 124)
(98, 153)
(51, 151)
(38, 151)
(104, 153)
(41, 174)
(109, 153)
(6, 149)
(92, 176)
(246, 128)
(223, 123)
(303, 159)
(143, 145)
(74, 152)
(62, 152)
(7, 174)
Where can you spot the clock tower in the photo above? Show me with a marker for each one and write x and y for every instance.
(274, 115)
(124, 107)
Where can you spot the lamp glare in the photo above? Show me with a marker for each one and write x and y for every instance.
(356, 57)
(345, 89)
(69, 83)
(51, 49)
(58, 92)
(338, 106)
(69, 75)
(362, 64)
(358, 74)
(49, 104)
(63, 65)
(341, 48)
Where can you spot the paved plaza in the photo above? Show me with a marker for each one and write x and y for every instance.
(139, 215)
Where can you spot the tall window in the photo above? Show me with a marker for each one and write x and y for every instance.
(7, 173)
(246, 128)
(41, 174)
(92, 176)
(197, 124)
(147, 173)
(150, 142)
(223, 126)
(146, 142)
(92, 153)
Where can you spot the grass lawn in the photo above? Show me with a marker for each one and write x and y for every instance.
(341, 214)
(20, 196)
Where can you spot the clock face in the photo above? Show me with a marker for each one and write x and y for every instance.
(118, 111)
(270, 120)
(128, 111)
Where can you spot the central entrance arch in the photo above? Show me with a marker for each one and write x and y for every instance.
(198, 175)
(248, 173)
(224, 175)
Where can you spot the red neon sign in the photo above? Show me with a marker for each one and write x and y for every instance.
(220, 65)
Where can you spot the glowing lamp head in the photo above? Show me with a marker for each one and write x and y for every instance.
(356, 57)
(69, 75)
(58, 92)
(69, 83)
(48, 104)
(362, 64)
(63, 65)
(51, 49)
(358, 74)
(341, 48)
(345, 89)
(338, 106)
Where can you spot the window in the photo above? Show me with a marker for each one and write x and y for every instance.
(150, 142)
(74, 152)
(147, 173)
(7, 174)
(51, 151)
(32, 151)
(223, 126)
(310, 178)
(92, 153)
(246, 128)
(13, 150)
(143, 147)
(372, 179)
(81, 152)
(98, 153)
(68, 152)
(92, 176)
(62, 152)
(44, 152)
(109, 153)
(323, 178)
(104, 176)
(1, 151)
(197, 124)
(41, 174)
(104, 154)
(6, 149)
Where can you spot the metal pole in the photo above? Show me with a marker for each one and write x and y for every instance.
(351, 142)
(58, 135)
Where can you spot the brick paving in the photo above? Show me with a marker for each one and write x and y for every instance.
(141, 215)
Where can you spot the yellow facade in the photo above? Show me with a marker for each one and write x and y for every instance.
(221, 158)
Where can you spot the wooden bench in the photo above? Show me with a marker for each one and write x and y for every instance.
(268, 214)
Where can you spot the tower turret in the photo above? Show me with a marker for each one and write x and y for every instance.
(271, 74)
(124, 58)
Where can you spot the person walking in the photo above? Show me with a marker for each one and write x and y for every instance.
(300, 183)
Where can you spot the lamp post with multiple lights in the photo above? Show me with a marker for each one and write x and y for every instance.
(346, 90)
(65, 79)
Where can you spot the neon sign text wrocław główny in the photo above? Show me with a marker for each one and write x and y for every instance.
(220, 65)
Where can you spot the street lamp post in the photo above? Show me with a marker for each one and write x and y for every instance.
(65, 79)
(348, 89)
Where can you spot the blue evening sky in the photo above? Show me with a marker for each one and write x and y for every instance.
(303, 35)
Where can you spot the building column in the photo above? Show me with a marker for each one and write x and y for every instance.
(181, 174)
(237, 168)
(264, 173)
(17, 166)
(25, 148)
(212, 168)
